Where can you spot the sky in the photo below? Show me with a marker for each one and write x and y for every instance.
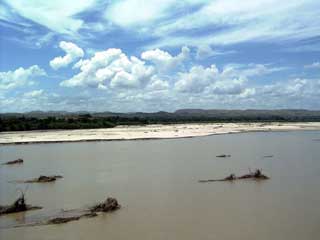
(159, 55)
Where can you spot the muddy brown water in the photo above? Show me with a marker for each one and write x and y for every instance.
(156, 182)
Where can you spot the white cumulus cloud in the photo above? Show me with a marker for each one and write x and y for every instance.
(157, 84)
(231, 80)
(110, 68)
(197, 79)
(229, 87)
(20, 77)
(73, 52)
(164, 60)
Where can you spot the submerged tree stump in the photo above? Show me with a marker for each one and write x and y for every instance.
(110, 204)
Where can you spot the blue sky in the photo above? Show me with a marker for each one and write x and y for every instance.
(135, 55)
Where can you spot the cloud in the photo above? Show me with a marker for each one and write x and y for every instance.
(160, 23)
(313, 65)
(230, 80)
(59, 16)
(205, 51)
(20, 77)
(143, 84)
(266, 28)
(232, 23)
(73, 52)
(248, 70)
(164, 60)
(292, 93)
(157, 84)
(229, 87)
(197, 79)
(132, 80)
(33, 100)
(110, 68)
(288, 89)
(6, 14)
(34, 93)
(137, 12)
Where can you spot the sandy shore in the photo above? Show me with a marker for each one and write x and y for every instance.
(147, 132)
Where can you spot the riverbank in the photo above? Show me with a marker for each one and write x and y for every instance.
(148, 132)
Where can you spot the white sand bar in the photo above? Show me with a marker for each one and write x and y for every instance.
(148, 132)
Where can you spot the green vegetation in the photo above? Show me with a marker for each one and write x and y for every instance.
(74, 122)
(65, 120)
(25, 124)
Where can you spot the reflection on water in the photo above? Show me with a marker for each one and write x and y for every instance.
(156, 182)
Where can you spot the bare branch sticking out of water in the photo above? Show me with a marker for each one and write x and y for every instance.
(19, 205)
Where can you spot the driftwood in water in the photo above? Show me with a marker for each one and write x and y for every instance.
(223, 156)
(17, 161)
(18, 206)
(60, 220)
(65, 216)
(110, 204)
(44, 179)
(268, 156)
(231, 177)
(257, 175)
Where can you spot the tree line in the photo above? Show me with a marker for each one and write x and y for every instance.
(88, 121)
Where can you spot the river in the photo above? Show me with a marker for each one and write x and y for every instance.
(156, 182)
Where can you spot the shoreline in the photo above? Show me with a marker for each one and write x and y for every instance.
(148, 132)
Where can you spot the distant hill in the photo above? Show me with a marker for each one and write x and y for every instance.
(36, 120)
(228, 115)
(284, 114)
